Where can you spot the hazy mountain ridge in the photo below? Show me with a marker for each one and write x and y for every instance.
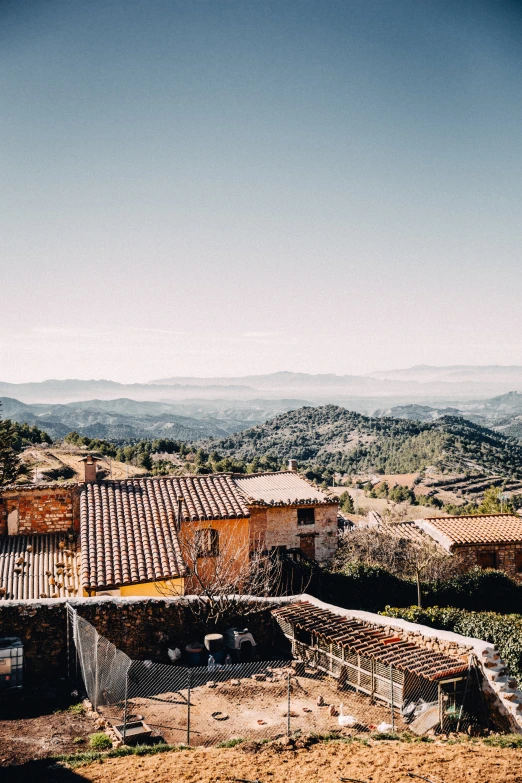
(446, 383)
(124, 419)
(502, 414)
(58, 420)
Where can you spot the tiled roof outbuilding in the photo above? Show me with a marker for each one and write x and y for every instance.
(364, 639)
(455, 531)
(39, 566)
(129, 528)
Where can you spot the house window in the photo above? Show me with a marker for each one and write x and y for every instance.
(518, 562)
(207, 542)
(487, 559)
(305, 516)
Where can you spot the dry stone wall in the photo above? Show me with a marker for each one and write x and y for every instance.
(506, 554)
(141, 628)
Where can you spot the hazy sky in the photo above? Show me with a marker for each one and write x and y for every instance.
(224, 187)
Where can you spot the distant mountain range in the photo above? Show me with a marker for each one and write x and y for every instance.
(124, 419)
(191, 408)
(502, 414)
(424, 384)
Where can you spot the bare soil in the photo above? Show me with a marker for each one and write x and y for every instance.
(378, 762)
(35, 728)
(54, 458)
(254, 710)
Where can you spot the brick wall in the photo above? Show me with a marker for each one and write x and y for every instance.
(50, 509)
(506, 555)
(273, 526)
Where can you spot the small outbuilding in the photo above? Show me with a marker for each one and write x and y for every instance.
(374, 660)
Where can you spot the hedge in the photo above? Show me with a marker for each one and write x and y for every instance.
(372, 588)
(503, 630)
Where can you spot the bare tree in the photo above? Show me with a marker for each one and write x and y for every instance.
(408, 557)
(225, 569)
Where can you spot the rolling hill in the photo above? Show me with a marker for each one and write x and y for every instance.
(337, 439)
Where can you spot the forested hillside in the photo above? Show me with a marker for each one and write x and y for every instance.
(337, 439)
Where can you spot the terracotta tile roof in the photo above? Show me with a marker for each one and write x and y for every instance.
(457, 531)
(360, 637)
(407, 530)
(286, 487)
(128, 534)
(27, 563)
(128, 528)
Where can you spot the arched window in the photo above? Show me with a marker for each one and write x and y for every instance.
(207, 542)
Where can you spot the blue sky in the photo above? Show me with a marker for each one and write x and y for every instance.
(208, 188)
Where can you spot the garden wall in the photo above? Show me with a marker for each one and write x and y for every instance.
(143, 628)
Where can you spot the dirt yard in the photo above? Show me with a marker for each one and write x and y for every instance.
(379, 762)
(34, 728)
(256, 710)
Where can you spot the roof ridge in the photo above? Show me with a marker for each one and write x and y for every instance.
(475, 516)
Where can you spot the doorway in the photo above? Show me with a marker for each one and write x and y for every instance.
(307, 546)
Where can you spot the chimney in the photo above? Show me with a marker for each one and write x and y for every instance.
(89, 464)
(292, 465)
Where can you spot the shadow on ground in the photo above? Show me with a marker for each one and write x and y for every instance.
(41, 770)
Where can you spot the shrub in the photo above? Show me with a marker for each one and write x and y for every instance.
(77, 709)
(477, 590)
(231, 743)
(100, 741)
(371, 588)
(503, 630)
(362, 586)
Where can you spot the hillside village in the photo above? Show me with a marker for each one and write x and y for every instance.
(333, 549)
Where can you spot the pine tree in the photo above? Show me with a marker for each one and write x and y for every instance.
(10, 465)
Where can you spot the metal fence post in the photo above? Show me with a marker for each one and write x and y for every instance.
(188, 706)
(68, 621)
(95, 705)
(125, 707)
(391, 685)
(289, 704)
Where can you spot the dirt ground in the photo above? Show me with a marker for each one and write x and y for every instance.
(259, 710)
(33, 728)
(381, 762)
(51, 458)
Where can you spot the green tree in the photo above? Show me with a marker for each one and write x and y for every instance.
(10, 464)
(346, 503)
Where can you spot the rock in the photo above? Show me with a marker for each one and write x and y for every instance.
(211, 684)
(320, 701)
(332, 711)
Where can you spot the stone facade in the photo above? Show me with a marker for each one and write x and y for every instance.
(507, 557)
(277, 526)
(51, 509)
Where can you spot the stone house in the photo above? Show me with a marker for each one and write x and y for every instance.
(129, 537)
(484, 540)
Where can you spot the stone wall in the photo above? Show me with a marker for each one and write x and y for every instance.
(143, 628)
(51, 509)
(273, 526)
(506, 557)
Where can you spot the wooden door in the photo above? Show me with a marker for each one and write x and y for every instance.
(308, 546)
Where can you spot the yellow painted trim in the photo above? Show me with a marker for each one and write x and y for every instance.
(163, 589)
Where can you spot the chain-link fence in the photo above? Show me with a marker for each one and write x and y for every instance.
(264, 700)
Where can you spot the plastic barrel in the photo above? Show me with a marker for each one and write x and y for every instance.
(193, 652)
